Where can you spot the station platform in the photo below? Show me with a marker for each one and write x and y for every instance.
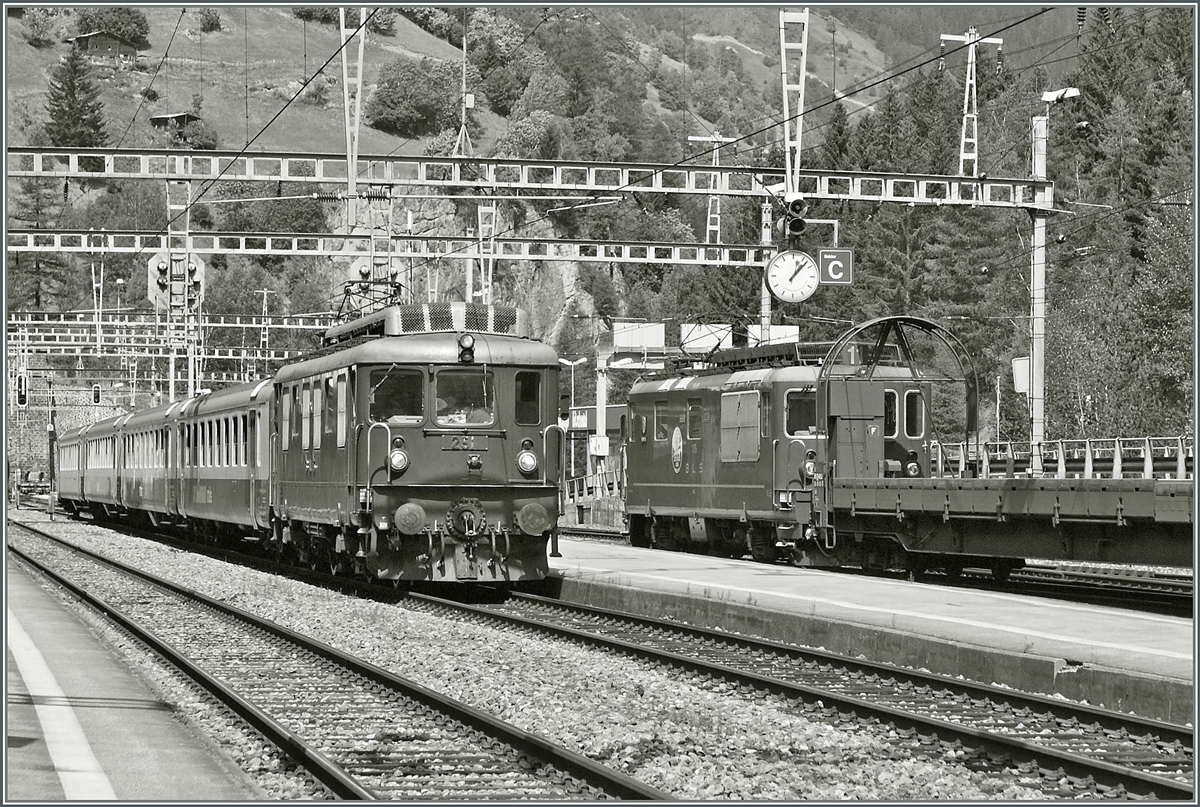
(82, 726)
(1139, 663)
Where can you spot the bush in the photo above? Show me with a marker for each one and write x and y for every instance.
(150, 94)
(382, 22)
(210, 20)
(414, 98)
(320, 14)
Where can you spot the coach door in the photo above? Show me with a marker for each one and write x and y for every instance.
(173, 473)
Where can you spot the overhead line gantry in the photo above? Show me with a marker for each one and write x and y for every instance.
(584, 179)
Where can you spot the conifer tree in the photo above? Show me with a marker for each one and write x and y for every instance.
(38, 281)
(73, 102)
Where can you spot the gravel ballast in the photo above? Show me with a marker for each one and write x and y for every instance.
(693, 738)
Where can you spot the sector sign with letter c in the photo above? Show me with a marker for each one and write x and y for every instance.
(837, 266)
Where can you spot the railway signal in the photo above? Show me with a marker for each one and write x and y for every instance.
(22, 390)
(165, 270)
(95, 393)
(195, 281)
(795, 208)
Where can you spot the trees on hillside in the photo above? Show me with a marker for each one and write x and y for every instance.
(129, 23)
(38, 281)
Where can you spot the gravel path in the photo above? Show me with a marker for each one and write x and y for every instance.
(692, 738)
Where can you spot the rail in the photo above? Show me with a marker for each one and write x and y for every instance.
(1085, 458)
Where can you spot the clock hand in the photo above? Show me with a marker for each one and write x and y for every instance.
(793, 277)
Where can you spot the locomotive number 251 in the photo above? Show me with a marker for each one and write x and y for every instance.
(459, 442)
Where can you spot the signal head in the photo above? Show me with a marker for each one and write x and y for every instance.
(796, 204)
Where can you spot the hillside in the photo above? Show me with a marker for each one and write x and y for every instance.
(244, 73)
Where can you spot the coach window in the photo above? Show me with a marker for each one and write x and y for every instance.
(342, 414)
(397, 395)
(529, 396)
(305, 416)
(330, 395)
(318, 411)
(285, 407)
(914, 413)
(801, 412)
(694, 414)
(890, 422)
(662, 425)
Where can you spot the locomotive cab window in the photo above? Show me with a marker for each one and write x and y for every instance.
(662, 425)
(528, 397)
(801, 412)
(466, 396)
(914, 413)
(694, 416)
(397, 395)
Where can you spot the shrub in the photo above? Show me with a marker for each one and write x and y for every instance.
(382, 22)
(210, 20)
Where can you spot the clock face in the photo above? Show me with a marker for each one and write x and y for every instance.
(792, 276)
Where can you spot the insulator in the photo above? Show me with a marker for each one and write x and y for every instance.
(1081, 18)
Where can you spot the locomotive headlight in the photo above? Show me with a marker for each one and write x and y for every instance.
(912, 468)
(466, 348)
(398, 460)
(810, 463)
(527, 462)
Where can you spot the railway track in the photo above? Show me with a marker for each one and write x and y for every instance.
(361, 731)
(1070, 750)
(1151, 591)
(1073, 749)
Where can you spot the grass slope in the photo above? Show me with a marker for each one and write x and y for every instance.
(245, 74)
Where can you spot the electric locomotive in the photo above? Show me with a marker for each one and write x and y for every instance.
(864, 452)
(420, 443)
(424, 445)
